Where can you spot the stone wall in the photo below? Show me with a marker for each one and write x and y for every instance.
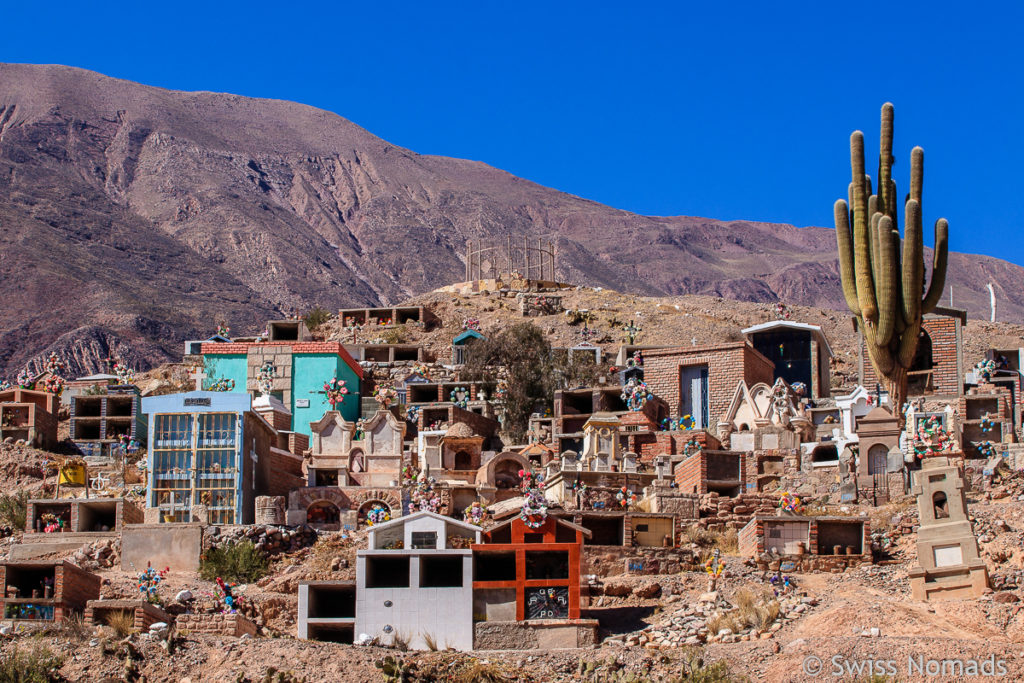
(216, 624)
(146, 614)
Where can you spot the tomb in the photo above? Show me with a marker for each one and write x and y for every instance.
(879, 465)
(144, 614)
(823, 543)
(327, 611)
(948, 565)
(414, 582)
(721, 472)
(100, 421)
(209, 448)
(699, 381)
(801, 354)
(29, 416)
(531, 576)
(388, 317)
(82, 515)
(764, 417)
(985, 416)
(45, 591)
(300, 369)
(462, 344)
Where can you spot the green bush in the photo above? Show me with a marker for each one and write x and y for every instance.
(33, 664)
(316, 317)
(14, 509)
(239, 561)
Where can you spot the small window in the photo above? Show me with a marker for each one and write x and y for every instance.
(424, 540)
(640, 528)
(533, 538)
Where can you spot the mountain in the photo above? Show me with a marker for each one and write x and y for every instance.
(133, 217)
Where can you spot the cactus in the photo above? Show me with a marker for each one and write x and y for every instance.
(884, 289)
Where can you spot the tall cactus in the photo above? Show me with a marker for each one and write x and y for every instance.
(883, 293)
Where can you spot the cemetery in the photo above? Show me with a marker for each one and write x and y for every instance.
(363, 481)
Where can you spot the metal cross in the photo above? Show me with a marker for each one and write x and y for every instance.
(631, 330)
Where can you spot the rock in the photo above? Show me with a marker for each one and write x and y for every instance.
(183, 596)
(159, 629)
(650, 590)
(711, 597)
(1005, 597)
(614, 642)
(617, 589)
(724, 632)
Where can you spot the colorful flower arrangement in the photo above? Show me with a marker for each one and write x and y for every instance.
(475, 514)
(501, 390)
(985, 368)
(636, 360)
(535, 507)
(335, 391)
(459, 396)
(987, 423)
(53, 384)
(232, 602)
(579, 489)
(421, 370)
(986, 449)
(684, 423)
(25, 379)
(385, 395)
(470, 324)
(378, 514)
(125, 375)
(422, 496)
(790, 502)
(636, 394)
(51, 523)
(781, 311)
(54, 364)
(931, 438)
(625, 497)
(692, 447)
(799, 388)
(715, 566)
(128, 444)
(224, 331)
(222, 384)
(412, 413)
(149, 580)
(265, 377)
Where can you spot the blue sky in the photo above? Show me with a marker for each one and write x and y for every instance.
(731, 111)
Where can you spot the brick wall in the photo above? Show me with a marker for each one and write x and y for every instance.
(727, 365)
(129, 513)
(947, 360)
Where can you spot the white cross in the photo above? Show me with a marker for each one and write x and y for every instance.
(198, 375)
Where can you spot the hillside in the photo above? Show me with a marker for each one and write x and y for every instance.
(133, 217)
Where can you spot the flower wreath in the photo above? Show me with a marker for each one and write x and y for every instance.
(625, 497)
(799, 388)
(53, 384)
(421, 370)
(25, 379)
(454, 396)
(422, 496)
(475, 514)
(378, 514)
(987, 423)
(790, 502)
(412, 413)
(4, 385)
(470, 324)
(635, 361)
(931, 438)
(385, 395)
(265, 377)
(336, 391)
(692, 447)
(54, 364)
(535, 509)
(224, 331)
(636, 394)
(985, 448)
(125, 375)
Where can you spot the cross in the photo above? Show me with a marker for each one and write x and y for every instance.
(198, 375)
(631, 330)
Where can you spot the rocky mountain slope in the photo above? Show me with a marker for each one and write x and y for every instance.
(133, 217)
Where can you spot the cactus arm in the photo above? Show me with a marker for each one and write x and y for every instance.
(888, 271)
(913, 263)
(844, 241)
(940, 259)
(861, 234)
(886, 198)
(917, 174)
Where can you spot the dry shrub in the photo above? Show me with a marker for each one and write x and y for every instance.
(121, 621)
